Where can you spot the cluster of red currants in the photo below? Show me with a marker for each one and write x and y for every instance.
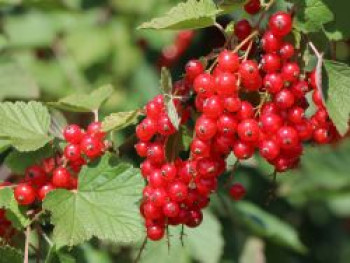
(171, 53)
(60, 171)
(245, 105)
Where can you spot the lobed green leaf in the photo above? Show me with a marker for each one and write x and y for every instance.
(104, 205)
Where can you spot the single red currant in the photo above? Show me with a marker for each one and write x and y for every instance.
(24, 194)
(237, 191)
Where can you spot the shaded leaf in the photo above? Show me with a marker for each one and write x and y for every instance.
(337, 83)
(103, 206)
(84, 102)
(119, 120)
(16, 83)
(189, 15)
(18, 162)
(165, 81)
(172, 113)
(24, 125)
(14, 212)
(268, 226)
(312, 15)
(9, 254)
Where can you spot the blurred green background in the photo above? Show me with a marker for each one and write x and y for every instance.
(52, 48)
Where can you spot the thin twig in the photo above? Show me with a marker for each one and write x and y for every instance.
(142, 248)
(245, 41)
(95, 112)
(182, 234)
(26, 245)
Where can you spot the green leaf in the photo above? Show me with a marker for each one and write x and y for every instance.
(58, 256)
(33, 29)
(337, 96)
(266, 225)
(24, 125)
(312, 16)
(338, 28)
(18, 162)
(104, 205)
(189, 15)
(204, 244)
(14, 212)
(15, 82)
(9, 254)
(119, 120)
(58, 123)
(339, 204)
(4, 145)
(229, 6)
(165, 81)
(322, 168)
(84, 102)
(253, 251)
(172, 113)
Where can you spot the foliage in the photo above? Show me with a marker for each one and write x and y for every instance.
(80, 57)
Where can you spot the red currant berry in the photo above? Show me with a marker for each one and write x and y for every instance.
(252, 7)
(61, 178)
(204, 85)
(246, 111)
(24, 194)
(249, 69)
(269, 149)
(213, 107)
(228, 61)
(296, 115)
(156, 153)
(91, 147)
(271, 63)
(44, 190)
(95, 129)
(290, 72)
(225, 84)
(151, 211)
(171, 209)
(205, 128)
(200, 148)
(287, 137)
(146, 129)
(178, 192)
(141, 149)
(286, 51)
(270, 43)
(243, 150)
(36, 175)
(280, 24)
(155, 232)
(237, 191)
(193, 69)
(248, 130)
(72, 152)
(284, 99)
(165, 127)
(195, 218)
(242, 29)
(273, 82)
(227, 124)
(321, 136)
(73, 134)
(232, 104)
(154, 109)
